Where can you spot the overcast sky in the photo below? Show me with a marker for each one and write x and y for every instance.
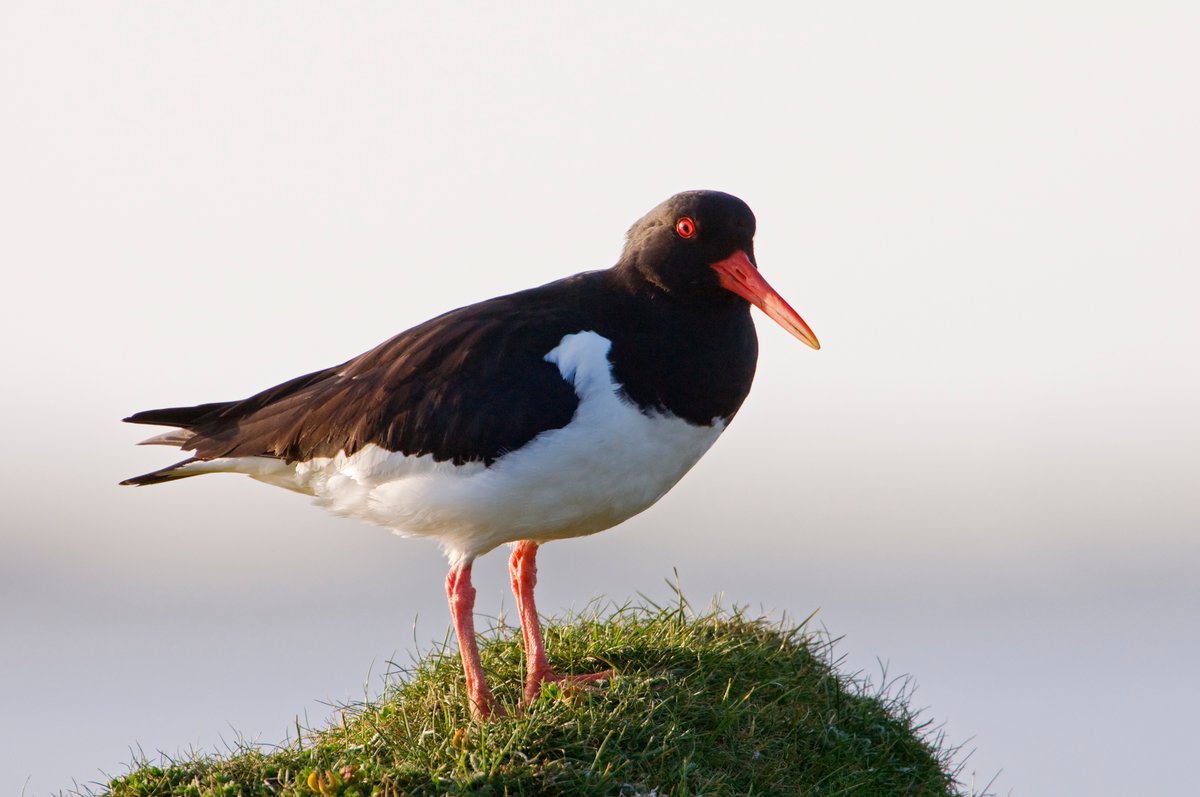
(987, 478)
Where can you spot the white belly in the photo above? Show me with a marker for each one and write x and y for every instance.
(609, 463)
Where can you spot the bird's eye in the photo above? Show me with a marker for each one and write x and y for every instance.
(685, 227)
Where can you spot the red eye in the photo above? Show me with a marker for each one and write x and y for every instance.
(685, 227)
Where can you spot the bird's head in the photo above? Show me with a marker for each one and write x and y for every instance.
(698, 246)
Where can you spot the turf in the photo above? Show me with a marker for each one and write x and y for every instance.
(712, 703)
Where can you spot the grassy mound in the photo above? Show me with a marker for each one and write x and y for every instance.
(716, 704)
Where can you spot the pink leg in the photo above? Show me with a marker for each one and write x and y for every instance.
(462, 605)
(522, 568)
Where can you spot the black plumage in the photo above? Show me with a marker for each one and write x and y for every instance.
(541, 449)
(473, 384)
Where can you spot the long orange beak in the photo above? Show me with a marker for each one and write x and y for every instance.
(739, 275)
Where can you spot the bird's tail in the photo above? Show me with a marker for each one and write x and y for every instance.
(208, 429)
(168, 474)
(185, 418)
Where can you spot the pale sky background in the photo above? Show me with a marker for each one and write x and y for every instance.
(987, 479)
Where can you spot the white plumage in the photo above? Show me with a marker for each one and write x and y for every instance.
(609, 463)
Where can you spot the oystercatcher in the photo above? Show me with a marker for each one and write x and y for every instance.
(554, 412)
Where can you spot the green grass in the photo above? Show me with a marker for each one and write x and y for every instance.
(712, 704)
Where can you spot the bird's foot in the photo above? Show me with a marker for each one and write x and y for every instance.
(569, 683)
(485, 707)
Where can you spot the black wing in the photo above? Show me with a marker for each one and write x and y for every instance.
(466, 386)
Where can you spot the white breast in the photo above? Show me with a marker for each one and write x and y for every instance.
(609, 463)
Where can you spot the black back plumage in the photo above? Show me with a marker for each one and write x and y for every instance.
(473, 384)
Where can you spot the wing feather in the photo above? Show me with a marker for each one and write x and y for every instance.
(465, 386)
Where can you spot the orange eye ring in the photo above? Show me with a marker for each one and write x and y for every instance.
(685, 227)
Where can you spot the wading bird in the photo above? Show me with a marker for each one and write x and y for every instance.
(554, 412)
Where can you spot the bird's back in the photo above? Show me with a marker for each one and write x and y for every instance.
(499, 421)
